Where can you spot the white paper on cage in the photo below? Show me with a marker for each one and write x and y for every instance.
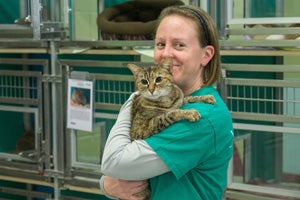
(80, 105)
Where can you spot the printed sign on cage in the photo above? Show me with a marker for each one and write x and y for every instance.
(80, 104)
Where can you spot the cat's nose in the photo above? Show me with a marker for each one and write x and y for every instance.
(151, 90)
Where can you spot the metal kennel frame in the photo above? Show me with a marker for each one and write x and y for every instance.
(262, 105)
(25, 90)
(262, 99)
(111, 90)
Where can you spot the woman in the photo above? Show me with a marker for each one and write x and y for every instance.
(186, 160)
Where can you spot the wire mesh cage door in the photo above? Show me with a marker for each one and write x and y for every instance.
(25, 146)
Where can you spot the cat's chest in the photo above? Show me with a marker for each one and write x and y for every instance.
(164, 104)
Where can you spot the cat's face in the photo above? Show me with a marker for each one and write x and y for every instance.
(78, 97)
(154, 81)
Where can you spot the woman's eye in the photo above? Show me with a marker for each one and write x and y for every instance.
(158, 79)
(179, 45)
(144, 82)
(160, 44)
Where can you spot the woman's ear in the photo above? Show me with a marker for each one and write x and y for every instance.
(209, 52)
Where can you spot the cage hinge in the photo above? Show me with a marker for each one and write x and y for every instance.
(54, 174)
(51, 78)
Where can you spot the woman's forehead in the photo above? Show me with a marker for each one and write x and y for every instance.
(177, 26)
(177, 17)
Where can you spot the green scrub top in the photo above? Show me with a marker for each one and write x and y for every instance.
(197, 153)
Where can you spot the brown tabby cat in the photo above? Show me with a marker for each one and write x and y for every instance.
(159, 99)
(157, 104)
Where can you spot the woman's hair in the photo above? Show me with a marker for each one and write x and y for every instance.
(207, 35)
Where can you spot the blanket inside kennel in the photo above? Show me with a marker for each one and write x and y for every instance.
(132, 20)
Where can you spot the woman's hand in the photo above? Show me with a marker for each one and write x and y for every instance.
(124, 189)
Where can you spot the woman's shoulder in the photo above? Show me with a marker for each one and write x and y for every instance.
(207, 109)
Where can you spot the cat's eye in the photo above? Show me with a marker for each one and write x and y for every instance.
(158, 79)
(144, 82)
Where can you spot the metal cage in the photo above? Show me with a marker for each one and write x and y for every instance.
(111, 90)
(266, 110)
(22, 91)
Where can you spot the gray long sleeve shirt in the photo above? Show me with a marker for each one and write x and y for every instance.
(126, 159)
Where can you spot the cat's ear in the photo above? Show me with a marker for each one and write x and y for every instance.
(134, 69)
(167, 63)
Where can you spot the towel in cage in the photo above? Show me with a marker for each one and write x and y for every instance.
(132, 20)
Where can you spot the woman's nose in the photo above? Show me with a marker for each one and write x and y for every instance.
(167, 52)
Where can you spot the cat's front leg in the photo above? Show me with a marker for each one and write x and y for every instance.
(191, 115)
(205, 98)
(164, 120)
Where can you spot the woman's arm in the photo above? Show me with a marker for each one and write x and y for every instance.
(126, 159)
(121, 189)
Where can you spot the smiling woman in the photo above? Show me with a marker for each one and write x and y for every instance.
(190, 158)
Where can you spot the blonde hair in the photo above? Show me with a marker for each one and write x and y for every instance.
(207, 35)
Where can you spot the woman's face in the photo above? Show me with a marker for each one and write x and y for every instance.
(177, 37)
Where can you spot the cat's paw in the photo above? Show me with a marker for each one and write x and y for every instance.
(193, 115)
(210, 99)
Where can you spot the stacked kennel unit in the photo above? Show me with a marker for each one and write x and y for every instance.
(265, 108)
(113, 84)
(25, 115)
(260, 85)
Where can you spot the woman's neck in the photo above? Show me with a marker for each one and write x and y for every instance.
(190, 90)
